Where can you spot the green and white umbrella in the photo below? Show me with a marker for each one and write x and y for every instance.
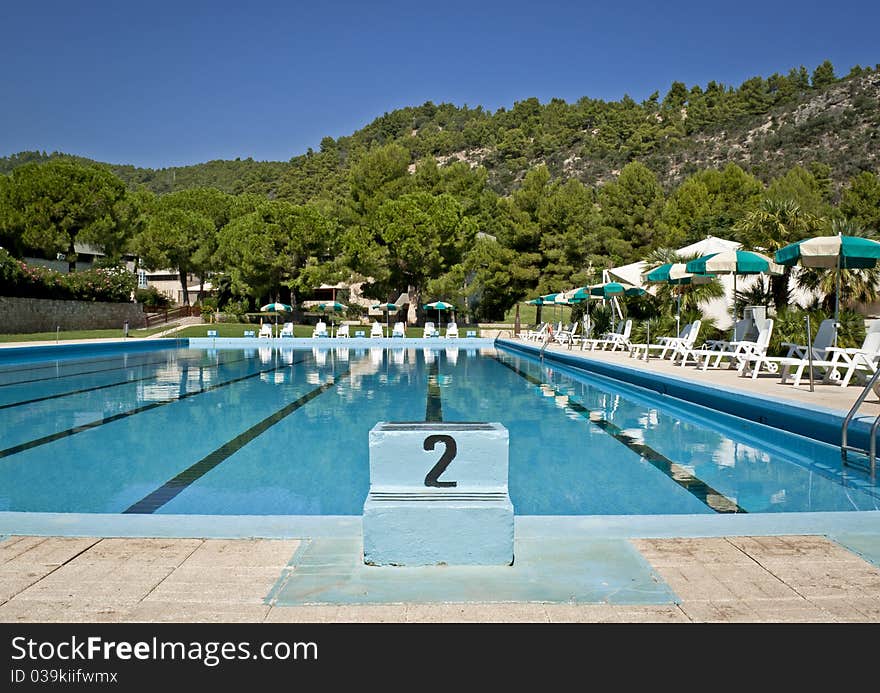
(612, 289)
(276, 308)
(438, 306)
(837, 252)
(735, 262)
(331, 307)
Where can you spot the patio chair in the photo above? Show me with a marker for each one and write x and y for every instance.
(612, 341)
(343, 330)
(839, 364)
(670, 345)
(537, 334)
(265, 331)
(749, 356)
(376, 329)
(430, 330)
(567, 335)
(451, 331)
(824, 338)
(320, 329)
(399, 330)
(286, 330)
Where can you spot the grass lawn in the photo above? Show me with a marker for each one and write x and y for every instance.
(78, 334)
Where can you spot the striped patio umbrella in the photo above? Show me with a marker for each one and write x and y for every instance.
(276, 308)
(735, 262)
(611, 289)
(837, 252)
(331, 307)
(676, 274)
(438, 306)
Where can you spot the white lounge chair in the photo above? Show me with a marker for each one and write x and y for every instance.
(343, 330)
(399, 330)
(320, 329)
(838, 365)
(265, 331)
(287, 330)
(537, 334)
(824, 338)
(612, 340)
(452, 331)
(376, 329)
(430, 330)
(670, 345)
(567, 335)
(749, 356)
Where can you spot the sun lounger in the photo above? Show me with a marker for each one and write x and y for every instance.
(670, 346)
(737, 354)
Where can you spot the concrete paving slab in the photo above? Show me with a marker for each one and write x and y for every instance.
(62, 590)
(53, 610)
(183, 612)
(380, 613)
(477, 613)
(48, 551)
(681, 551)
(247, 552)
(751, 582)
(141, 550)
(302, 614)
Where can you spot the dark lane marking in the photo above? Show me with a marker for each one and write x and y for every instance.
(434, 407)
(55, 363)
(681, 476)
(97, 370)
(185, 364)
(155, 500)
(122, 415)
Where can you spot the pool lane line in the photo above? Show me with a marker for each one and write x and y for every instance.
(433, 405)
(74, 375)
(698, 488)
(54, 363)
(108, 385)
(156, 499)
(139, 410)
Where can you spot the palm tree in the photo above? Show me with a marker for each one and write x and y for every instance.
(773, 225)
(856, 285)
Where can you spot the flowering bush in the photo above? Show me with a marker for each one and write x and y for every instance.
(19, 279)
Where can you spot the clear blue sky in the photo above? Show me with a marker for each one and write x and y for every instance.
(172, 83)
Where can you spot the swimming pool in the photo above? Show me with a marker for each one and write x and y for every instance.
(284, 431)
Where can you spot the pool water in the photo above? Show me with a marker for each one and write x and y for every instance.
(284, 431)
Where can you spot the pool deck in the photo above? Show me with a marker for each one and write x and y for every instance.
(806, 568)
(825, 395)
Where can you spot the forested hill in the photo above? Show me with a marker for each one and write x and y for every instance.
(765, 125)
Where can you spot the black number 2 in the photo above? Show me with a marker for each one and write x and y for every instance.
(447, 457)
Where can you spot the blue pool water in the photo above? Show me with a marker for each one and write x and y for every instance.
(285, 431)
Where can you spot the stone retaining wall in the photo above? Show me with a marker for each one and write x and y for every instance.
(25, 315)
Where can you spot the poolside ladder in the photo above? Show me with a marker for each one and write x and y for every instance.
(872, 439)
(544, 347)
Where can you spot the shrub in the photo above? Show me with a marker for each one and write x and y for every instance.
(151, 297)
(19, 279)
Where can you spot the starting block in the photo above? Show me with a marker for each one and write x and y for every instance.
(438, 495)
